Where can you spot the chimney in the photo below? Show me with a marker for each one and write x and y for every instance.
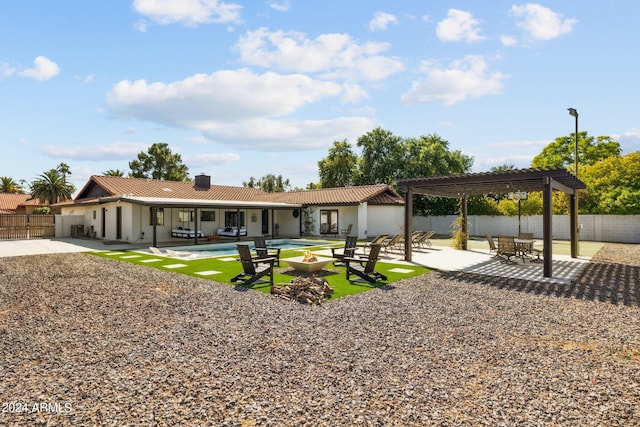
(203, 182)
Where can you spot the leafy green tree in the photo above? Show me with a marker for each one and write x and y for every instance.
(51, 187)
(8, 185)
(113, 172)
(430, 156)
(339, 168)
(613, 186)
(269, 183)
(159, 163)
(560, 153)
(382, 158)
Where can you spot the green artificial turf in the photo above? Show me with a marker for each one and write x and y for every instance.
(335, 274)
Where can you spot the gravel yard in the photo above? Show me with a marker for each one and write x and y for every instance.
(91, 341)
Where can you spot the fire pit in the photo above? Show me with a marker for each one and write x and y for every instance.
(308, 262)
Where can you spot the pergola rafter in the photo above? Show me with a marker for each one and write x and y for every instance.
(462, 186)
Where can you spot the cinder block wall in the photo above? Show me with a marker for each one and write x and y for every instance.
(601, 228)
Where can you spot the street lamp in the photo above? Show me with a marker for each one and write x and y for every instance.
(574, 250)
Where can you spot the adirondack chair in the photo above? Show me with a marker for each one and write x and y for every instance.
(348, 250)
(364, 267)
(253, 268)
(264, 251)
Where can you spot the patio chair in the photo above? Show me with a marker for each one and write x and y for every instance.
(492, 244)
(156, 251)
(376, 240)
(392, 242)
(253, 269)
(262, 250)
(347, 231)
(424, 241)
(348, 250)
(364, 267)
(525, 236)
(506, 247)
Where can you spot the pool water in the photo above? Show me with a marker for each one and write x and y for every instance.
(222, 249)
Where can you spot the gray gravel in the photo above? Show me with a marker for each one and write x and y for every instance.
(90, 341)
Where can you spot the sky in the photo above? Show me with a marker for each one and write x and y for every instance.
(243, 88)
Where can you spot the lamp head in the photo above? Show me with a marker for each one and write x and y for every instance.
(573, 112)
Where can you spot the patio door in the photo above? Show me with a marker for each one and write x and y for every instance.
(265, 221)
(119, 222)
(329, 221)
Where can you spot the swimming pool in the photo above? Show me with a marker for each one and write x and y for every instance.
(226, 249)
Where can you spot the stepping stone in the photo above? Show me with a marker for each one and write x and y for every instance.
(400, 270)
(174, 265)
(113, 253)
(207, 273)
(227, 259)
(130, 256)
(151, 260)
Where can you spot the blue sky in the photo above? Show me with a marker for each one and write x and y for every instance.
(247, 88)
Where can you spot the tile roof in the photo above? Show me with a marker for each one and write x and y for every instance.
(109, 186)
(104, 186)
(10, 201)
(372, 194)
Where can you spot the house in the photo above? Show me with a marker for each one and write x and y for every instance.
(140, 210)
(21, 204)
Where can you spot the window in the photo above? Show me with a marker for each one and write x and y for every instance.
(185, 215)
(207, 215)
(231, 219)
(94, 214)
(159, 216)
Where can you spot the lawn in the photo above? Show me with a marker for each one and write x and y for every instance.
(222, 269)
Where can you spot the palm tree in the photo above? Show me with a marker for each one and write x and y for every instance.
(8, 185)
(113, 172)
(65, 170)
(51, 187)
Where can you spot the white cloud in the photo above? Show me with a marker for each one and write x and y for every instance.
(542, 23)
(381, 21)
(114, 151)
(464, 79)
(221, 96)
(459, 25)
(335, 56)
(281, 6)
(507, 40)
(44, 69)
(188, 12)
(288, 135)
(6, 70)
(240, 107)
(210, 159)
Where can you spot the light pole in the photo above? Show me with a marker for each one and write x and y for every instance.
(575, 250)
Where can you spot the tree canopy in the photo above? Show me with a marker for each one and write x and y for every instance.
(339, 168)
(159, 163)
(8, 185)
(269, 183)
(560, 153)
(51, 186)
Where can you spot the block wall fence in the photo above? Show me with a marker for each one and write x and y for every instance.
(600, 228)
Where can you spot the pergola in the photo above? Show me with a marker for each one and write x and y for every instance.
(518, 180)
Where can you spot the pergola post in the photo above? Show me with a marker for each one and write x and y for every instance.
(408, 223)
(465, 227)
(573, 221)
(547, 215)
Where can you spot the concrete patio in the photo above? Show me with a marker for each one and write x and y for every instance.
(440, 257)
